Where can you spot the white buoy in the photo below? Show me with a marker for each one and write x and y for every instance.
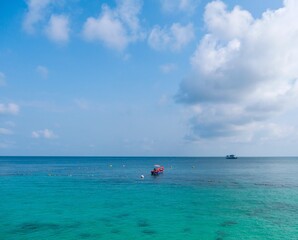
(111, 165)
(142, 176)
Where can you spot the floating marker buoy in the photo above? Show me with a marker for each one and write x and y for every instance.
(111, 165)
(123, 165)
(142, 176)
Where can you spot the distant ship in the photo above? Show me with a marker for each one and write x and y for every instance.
(231, 156)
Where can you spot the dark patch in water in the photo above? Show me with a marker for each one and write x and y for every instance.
(228, 223)
(190, 216)
(85, 235)
(115, 231)
(29, 227)
(108, 224)
(266, 210)
(123, 215)
(104, 219)
(186, 230)
(143, 223)
(149, 231)
(89, 235)
(72, 225)
(33, 227)
(220, 235)
(112, 205)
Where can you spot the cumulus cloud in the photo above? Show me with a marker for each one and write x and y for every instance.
(82, 104)
(174, 38)
(46, 133)
(116, 28)
(5, 131)
(35, 14)
(58, 28)
(10, 108)
(168, 68)
(173, 6)
(42, 71)
(2, 79)
(245, 70)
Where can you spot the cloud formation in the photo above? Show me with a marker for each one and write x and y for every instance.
(245, 70)
(2, 79)
(58, 28)
(116, 28)
(46, 133)
(82, 104)
(42, 71)
(5, 131)
(35, 14)
(168, 68)
(10, 108)
(174, 38)
(185, 6)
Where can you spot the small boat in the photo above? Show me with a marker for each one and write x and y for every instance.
(157, 170)
(231, 156)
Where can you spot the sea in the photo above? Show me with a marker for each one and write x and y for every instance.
(106, 198)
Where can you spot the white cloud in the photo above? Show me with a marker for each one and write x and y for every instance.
(82, 104)
(174, 38)
(42, 71)
(35, 14)
(276, 132)
(245, 71)
(10, 108)
(2, 79)
(168, 68)
(224, 24)
(5, 131)
(173, 6)
(58, 28)
(116, 28)
(164, 100)
(46, 133)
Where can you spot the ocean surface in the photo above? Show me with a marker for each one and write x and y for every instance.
(105, 198)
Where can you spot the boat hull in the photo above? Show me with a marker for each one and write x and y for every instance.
(155, 173)
(157, 170)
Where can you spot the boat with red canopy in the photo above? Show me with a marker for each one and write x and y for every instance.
(157, 170)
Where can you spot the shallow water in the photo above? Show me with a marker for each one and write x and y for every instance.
(196, 198)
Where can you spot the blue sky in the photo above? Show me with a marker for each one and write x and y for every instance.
(158, 77)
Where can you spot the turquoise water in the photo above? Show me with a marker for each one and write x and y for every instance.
(196, 198)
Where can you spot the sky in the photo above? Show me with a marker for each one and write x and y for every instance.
(149, 77)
